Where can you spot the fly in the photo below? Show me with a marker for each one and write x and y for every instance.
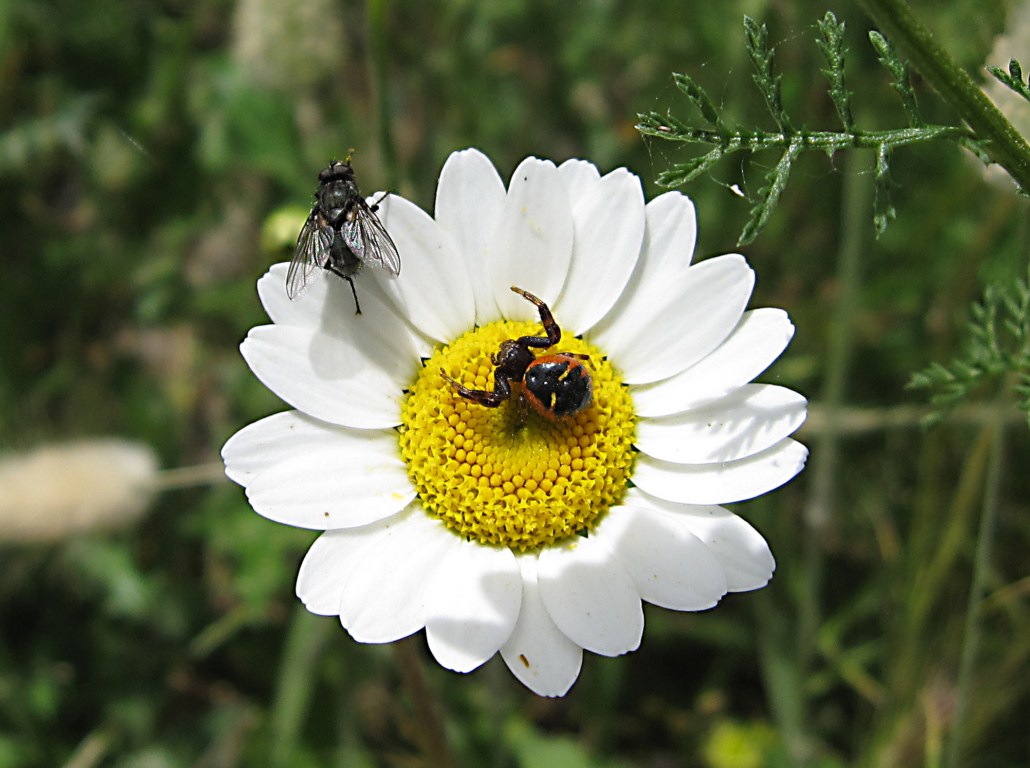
(341, 233)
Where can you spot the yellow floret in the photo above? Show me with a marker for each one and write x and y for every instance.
(505, 476)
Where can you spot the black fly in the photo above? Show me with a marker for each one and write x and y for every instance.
(341, 233)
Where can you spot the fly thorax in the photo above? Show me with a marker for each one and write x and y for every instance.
(336, 200)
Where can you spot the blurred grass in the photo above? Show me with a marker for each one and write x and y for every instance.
(143, 146)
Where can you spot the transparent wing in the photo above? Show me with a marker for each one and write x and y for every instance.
(310, 254)
(368, 239)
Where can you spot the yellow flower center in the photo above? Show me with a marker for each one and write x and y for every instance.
(506, 476)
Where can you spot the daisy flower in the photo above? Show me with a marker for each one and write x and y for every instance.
(494, 529)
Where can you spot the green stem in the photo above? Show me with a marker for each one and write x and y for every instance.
(408, 657)
(654, 124)
(1005, 145)
(296, 683)
(981, 569)
(827, 449)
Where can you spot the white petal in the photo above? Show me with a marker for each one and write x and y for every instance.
(326, 301)
(435, 293)
(417, 345)
(327, 305)
(279, 437)
(538, 653)
(472, 606)
(356, 482)
(591, 597)
(384, 599)
(721, 483)
(746, 422)
(469, 199)
(579, 176)
(682, 321)
(609, 230)
(743, 553)
(671, 566)
(755, 343)
(271, 288)
(669, 235)
(332, 559)
(333, 379)
(533, 239)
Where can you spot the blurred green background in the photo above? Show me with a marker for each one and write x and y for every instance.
(153, 159)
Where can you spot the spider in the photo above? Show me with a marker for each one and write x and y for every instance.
(556, 386)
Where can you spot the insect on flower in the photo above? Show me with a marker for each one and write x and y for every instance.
(341, 233)
(510, 535)
(555, 386)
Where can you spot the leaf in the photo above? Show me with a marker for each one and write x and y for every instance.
(700, 99)
(1013, 79)
(770, 195)
(977, 148)
(898, 70)
(685, 172)
(996, 349)
(756, 42)
(663, 126)
(883, 211)
(832, 46)
(722, 139)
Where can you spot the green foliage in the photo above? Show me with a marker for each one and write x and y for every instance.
(832, 45)
(756, 43)
(727, 139)
(901, 81)
(769, 195)
(533, 748)
(149, 175)
(64, 131)
(998, 352)
(1013, 79)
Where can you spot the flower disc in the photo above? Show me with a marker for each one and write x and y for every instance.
(506, 476)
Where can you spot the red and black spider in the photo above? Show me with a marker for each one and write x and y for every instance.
(555, 386)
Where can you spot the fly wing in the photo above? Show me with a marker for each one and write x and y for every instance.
(310, 254)
(367, 238)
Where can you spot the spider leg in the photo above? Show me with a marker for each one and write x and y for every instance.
(502, 391)
(550, 326)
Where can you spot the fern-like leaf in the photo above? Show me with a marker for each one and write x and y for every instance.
(699, 98)
(832, 46)
(900, 79)
(756, 42)
(883, 211)
(1013, 79)
(998, 348)
(682, 173)
(724, 139)
(769, 195)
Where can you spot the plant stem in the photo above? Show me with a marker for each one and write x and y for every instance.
(304, 642)
(654, 124)
(1004, 144)
(981, 568)
(826, 452)
(408, 656)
